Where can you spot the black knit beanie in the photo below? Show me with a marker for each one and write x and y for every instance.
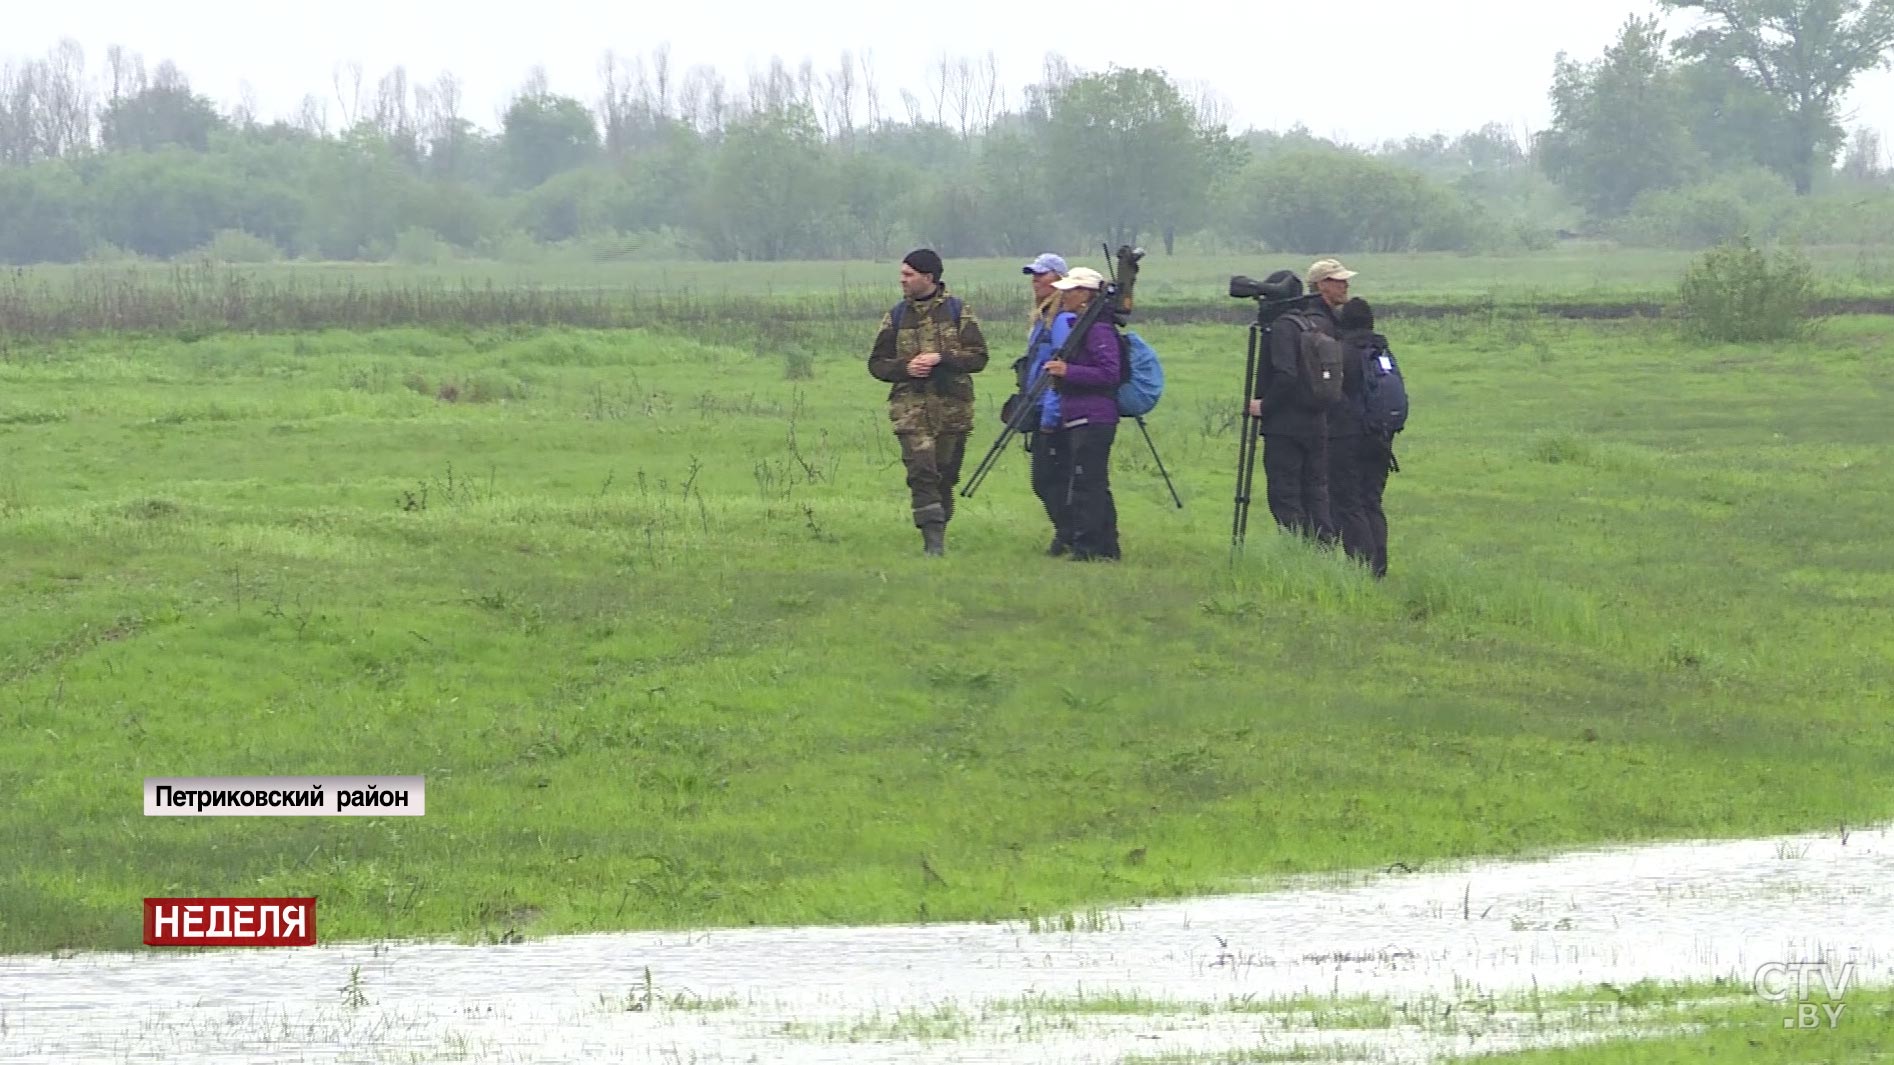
(925, 261)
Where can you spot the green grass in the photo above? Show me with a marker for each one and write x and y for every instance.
(1570, 270)
(1643, 1024)
(193, 300)
(1859, 1030)
(650, 619)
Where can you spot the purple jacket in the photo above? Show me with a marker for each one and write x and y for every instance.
(1090, 390)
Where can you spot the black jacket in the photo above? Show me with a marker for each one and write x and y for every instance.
(1287, 409)
(1344, 418)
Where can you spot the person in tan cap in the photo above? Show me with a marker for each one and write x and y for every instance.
(1294, 425)
(1329, 278)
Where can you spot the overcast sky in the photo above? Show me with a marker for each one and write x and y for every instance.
(1391, 68)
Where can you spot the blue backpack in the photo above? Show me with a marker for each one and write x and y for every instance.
(1140, 376)
(1383, 390)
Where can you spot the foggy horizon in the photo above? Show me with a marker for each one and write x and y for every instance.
(1396, 71)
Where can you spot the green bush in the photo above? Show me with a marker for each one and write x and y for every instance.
(417, 246)
(1738, 292)
(237, 246)
(1857, 217)
(1754, 202)
(1323, 200)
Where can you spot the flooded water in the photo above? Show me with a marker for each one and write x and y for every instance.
(1445, 950)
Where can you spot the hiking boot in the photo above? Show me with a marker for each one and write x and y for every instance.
(934, 538)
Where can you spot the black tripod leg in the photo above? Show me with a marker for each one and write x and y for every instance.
(1246, 451)
(1155, 457)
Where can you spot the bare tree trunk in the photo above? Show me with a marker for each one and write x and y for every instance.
(168, 76)
(842, 92)
(805, 83)
(871, 93)
(1211, 107)
(125, 74)
(348, 91)
(394, 119)
(942, 72)
(613, 105)
(245, 116)
(961, 90)
(535, 85)
(66, 101)
(17, 143)
(661, 75)
(990, 98)
(313, 117)
(704, 99)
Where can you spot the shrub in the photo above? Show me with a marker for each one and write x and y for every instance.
(237, 246)
(1737, 292)
(418, 246)
(1752, 201)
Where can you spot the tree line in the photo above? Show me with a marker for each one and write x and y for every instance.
(1734, 127)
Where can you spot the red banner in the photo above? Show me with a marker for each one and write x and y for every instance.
(230, 922)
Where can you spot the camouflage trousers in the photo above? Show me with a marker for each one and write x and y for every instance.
(932, 459)
(933, 433)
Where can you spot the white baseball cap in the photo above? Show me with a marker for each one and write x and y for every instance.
(1081, 277)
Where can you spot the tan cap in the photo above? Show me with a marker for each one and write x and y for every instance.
(1325, 269)
(1081, 277)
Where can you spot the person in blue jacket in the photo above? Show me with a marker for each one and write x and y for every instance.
(1048, 469)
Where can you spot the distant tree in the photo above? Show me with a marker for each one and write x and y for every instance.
(544, 134)
(1021, 202)
(1332, 200)
(770, 185)
(1864, 160)
(167, 113)
(874, 192)
(165, 202)
(1804, 53)
(1737, 122)
(1131, 153)
(1618, 126)
(42, 214)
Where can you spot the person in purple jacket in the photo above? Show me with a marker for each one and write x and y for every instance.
(1086, 421)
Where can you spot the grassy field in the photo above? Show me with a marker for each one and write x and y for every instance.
(1574, 269)
(194, 300)
(645, 609)
(1642, 1024)
(1857, 1029)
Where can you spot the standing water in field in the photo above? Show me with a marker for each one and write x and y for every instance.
(1342, 970)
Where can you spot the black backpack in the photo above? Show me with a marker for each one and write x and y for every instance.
(1320, 358)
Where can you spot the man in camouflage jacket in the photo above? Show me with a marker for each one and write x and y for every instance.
(926, 349)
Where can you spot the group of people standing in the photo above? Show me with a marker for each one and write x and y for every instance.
(1325, 472)
(1324, 469)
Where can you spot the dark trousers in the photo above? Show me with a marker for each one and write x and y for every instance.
(1295, 469)
(933, 465)
(1051, 475)
(1091, 515)
(1358, 475)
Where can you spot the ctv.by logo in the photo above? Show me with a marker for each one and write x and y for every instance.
(1786, 982)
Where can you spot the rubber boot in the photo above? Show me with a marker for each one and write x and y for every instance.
(934, 537)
